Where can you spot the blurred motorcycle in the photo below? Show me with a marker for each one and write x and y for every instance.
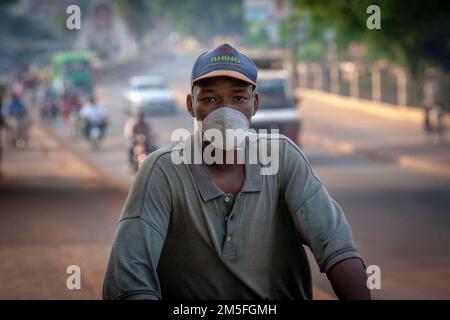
(74, 124)
(18, 128)
(141, 149)
(49, 104)
(94, 133)
(49, 111)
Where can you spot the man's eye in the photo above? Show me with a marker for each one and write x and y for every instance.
(209, 99)
(240, 99)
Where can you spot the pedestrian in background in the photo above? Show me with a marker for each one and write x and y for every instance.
(432, 103)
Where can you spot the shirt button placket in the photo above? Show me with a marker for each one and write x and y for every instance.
(229, 238)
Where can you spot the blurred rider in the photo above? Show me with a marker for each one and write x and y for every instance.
(135, 128)
(93, 114)
(15, 114)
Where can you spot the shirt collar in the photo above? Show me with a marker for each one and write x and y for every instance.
(209, 190)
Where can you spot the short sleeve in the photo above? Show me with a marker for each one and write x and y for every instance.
(318, 218)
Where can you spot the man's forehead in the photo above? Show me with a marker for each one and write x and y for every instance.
(221, 83)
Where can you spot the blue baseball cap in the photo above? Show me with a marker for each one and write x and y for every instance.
(224, 61)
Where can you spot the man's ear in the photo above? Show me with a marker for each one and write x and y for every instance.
(190, 104)
(255, 103)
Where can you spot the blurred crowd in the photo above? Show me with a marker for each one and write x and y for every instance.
(32, 97)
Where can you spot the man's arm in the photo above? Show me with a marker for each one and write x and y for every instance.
(348, 279)
(140, 236)
(323, 227)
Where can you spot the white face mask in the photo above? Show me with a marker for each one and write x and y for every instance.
(229, 123)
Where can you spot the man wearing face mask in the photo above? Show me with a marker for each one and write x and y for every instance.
(221, 229)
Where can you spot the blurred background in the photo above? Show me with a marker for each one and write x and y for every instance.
(365, 92)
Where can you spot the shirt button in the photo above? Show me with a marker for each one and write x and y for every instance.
(227, 199)
(229, 238)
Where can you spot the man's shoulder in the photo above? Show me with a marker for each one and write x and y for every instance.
(285, 145)
(161, 157)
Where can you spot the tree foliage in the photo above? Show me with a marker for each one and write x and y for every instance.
(415, 33)
(198, 18)
(140, 15)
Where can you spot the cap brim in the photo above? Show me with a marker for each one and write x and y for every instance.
(225, 73)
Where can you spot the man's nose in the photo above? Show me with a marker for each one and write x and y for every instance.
(226, 104)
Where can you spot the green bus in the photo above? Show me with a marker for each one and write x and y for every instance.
(72, 69)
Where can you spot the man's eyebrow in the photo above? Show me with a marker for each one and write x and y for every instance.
(213, 89)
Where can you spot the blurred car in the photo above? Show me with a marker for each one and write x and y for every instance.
(151, 94)
(277, 105)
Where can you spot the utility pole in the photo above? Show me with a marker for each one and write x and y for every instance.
(294, 55)
(2, 93)
(296, 29)
(333, 62)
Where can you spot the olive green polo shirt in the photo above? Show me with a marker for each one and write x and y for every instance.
(181, 237)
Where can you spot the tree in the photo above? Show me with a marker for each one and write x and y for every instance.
(198, 18)
(415, 33)
(17, 26)
(140, 15)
